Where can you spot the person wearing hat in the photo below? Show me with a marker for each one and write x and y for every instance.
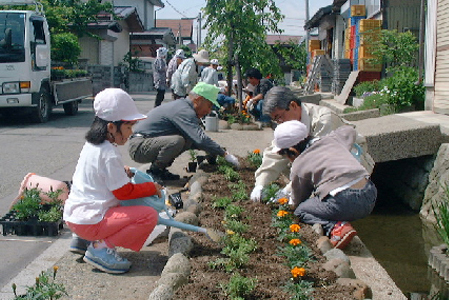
(210, 74)
(329, 185)
(186, 76)
(92, 210)
(282, 105)
(173, 65)
(159, 76)
(173, 128)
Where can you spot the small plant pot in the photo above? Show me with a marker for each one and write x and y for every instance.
(191, 167)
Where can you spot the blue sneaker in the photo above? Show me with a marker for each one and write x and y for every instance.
(107, 260)
(78, 245)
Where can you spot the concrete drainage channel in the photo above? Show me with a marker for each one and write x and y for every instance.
(355, 266)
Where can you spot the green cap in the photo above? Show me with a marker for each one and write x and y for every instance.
(207, 91)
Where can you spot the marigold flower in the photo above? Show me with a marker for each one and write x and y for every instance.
(257, 151)
(282, 213)
(295, 228)
(298, 272)
(295, 242)
(283, 201)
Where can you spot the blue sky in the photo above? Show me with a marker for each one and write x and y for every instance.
(294, 11)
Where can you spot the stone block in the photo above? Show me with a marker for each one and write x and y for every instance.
(361, 115)
(394, 137)
(162, 292)
(178, 263)
(334, 105)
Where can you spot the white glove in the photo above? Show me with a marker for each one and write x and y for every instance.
(256, 194)
(232, 159)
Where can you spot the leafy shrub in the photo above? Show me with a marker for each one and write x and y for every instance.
(366, 87)
(65, 47)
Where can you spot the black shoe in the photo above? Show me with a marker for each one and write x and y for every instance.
(163, 174)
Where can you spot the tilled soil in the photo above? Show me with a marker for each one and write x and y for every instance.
(265, 264)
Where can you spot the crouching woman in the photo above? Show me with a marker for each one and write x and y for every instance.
(329, 185)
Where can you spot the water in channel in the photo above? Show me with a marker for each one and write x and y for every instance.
(394, 235)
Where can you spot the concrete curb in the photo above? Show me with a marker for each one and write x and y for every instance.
(177, 269)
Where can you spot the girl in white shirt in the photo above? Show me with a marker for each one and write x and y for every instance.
(92, 210)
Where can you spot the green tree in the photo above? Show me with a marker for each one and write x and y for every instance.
(293, 54)
(396, 49)
(74, 15)
(236, 32)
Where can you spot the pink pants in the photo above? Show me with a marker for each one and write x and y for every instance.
(124, 226)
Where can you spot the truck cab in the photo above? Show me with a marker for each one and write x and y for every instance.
(25, 67)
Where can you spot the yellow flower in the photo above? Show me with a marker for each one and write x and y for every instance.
(298, 272)
(229, 232)
(282, 213)
(283, 201)
(295, 228)
(295, 242)
(257, 151)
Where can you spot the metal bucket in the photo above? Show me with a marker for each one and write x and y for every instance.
(211, 123)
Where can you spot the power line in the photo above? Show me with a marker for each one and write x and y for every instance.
(174, 8)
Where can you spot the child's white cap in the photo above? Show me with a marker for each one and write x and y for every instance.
(113, 104)
(288, 134)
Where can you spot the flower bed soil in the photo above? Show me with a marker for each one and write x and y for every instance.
(270, 269)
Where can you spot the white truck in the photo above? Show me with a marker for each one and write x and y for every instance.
(25, 67)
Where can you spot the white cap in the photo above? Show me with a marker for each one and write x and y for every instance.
(180, 53)
(214, 61)
(288, 134)
(113, 104)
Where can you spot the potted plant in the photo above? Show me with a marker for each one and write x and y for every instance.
(191, 167)
(31, 215)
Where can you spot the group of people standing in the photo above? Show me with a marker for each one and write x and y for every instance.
(329, 181)
(181, 74)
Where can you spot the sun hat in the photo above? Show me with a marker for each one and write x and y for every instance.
(207, 91)
(202, 56)
(214, 61)
(180, 54)
(114, 104)
(288, 134)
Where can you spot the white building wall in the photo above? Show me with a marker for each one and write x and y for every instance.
(106, 53)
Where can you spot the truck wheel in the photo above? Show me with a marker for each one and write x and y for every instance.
(42, 112)
(71, 108)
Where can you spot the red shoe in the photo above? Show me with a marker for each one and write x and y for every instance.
(342, 234)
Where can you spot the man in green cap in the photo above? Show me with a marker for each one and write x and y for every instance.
(174, 127)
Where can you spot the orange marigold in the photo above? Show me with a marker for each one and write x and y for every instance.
(282, 213)
(283, 201)
(295, 242)
(295, 228)
(298, 272)
(257, 151)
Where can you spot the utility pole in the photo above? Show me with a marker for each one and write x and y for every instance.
(198, 33)
(307, 33)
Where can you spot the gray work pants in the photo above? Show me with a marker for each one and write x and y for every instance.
(347, 205)
(160, 151)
